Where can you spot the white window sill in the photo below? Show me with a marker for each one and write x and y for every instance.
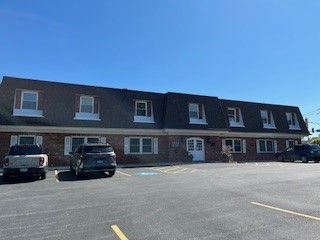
(234, 124)
(267, 126)
(294, 128)
(198, 121)
(87, 116)
(143, 119)
(27, 113)
(139, 153)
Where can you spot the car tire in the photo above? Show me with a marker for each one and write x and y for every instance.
(304, 159)
(43, 176)
(280, 158)
(111, 173)
(71, 169)
(77, 172)
(5, 177)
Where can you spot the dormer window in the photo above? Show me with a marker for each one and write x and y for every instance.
(235, 117)
(197, 114)
(292, 121)
(267, 119)
(86, 104)
(143, 111)
(88, 108)
(27, 104)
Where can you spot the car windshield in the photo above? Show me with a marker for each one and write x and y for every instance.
(98, 149)
(25, 150)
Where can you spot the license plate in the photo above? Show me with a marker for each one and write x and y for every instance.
(99, 161)
(23, 169)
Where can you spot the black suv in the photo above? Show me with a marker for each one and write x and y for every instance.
(303, 152)
(93, 157)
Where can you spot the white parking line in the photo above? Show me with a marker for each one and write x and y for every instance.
(286, 211)
(125, 174)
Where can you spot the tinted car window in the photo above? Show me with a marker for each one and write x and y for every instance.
(25, 150)
(317, 147)
(98, 149)
(78, 150)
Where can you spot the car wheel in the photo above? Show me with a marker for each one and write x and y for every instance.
(5, 177)
(77, 171)
(111, 173)
(43, 176)
(304, 159)
(280, 158)
(71, 168)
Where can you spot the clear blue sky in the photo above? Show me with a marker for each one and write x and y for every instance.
(251, 50)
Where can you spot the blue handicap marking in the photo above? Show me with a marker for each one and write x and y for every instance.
(147, 173)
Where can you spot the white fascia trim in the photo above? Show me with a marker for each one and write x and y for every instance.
(226, 133)
(144, 132)
(82, 130)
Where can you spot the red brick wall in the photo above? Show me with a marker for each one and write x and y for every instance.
(170, 149)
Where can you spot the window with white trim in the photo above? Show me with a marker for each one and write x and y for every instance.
(25, 139)
(236, 145)
(143, 111)
(197, 114)
(141, 145)
(235, 117)
(86, 104)
(293, 121)
(267, 119)
(265, 146)
(88, 108)
(77, 140)
(27, 104)
(291, 142)
(29, 100)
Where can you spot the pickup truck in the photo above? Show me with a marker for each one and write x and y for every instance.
(303, 152)
(30, 160)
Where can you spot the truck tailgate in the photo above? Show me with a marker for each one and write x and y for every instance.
(24, 161)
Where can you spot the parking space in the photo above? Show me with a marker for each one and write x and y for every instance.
(263, 200)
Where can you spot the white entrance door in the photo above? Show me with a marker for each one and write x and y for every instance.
(195, 146)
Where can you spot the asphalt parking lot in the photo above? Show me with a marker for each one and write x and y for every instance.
(265, 200)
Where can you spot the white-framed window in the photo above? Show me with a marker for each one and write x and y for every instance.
(143, 111)
(77, 140)
(72, 142)
(266, 146)
(86, 104)
(29, 100)
(27, 104)
(197, 114)
(292, 121)
(267, 119)
(235, 117)
(236, 145)
(141, 145)
(291, 142)
(25, 139)
(88, 108)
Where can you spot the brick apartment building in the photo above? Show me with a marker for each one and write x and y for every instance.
(143, 127)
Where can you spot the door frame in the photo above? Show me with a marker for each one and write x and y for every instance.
(197, 155)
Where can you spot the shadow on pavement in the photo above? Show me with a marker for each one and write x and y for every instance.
(18, 180)
(67, 176)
